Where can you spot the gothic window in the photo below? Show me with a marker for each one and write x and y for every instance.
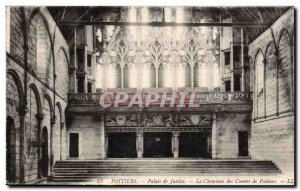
(152, 76)
(118, 76)
(126, 76)
(188, 75)
(260, 91)
(196, 75)
(62, 72)
(284, 73)
(161, 76)
(271, 80)
(44, 68)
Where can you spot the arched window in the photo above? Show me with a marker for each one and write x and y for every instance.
(188, 72)
(271, 80)
(161, 76)
(44, 60)
(196, 75)
(118, 76)
(260, 91)
(284, 74)
(126, 76)
(62, 72)
(152, 76)
(31, 131)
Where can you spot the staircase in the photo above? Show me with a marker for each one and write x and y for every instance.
(80, 171)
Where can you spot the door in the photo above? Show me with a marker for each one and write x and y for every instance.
(121, 145)
(74, 145)
(158, 144)
(194, 144)
(243, 143)
(44, 147)
(10, 151)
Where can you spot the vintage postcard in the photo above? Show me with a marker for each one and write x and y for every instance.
(157, 95)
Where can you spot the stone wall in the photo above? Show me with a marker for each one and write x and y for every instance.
(228, 125)
(32, 100)
(272, 130)
(89, 131)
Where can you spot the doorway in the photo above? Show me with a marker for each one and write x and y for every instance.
(196, 144)
(44, 150)
(74, 145)
(158, 144)
(243, 143)
(121, 145)
(10, 151)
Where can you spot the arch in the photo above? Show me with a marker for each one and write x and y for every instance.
(260, 83)
(18, 82)
(36, 12)
(48, 98)
(62, 73)
(62, 48)
(58, 105)
(271, 78)
(37, 95)
(11, 151)
(42, 43)
(282, 32)
(284, 72)
(44, 152)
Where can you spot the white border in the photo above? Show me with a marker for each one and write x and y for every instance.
(3, 3)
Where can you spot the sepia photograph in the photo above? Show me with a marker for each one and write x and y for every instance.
(150, 95)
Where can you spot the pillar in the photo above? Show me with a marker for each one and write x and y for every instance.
(103, 139)
(60, 144)
(214, 136)
(39, 118)
(51, 145)
(22, 112)
(175, 144)
(139, 144)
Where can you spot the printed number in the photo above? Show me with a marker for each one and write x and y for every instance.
(290, 181)
(99, 180)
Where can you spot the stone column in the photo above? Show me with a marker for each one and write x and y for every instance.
(214, 136)
(39, 118)
(103, 139)
(60, 145)
(22, 113)
(139, 144)
(51, 145)
(175, 144)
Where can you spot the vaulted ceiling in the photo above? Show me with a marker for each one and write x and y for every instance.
(255, 15)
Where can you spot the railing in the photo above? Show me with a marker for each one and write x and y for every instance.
(189, 97)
